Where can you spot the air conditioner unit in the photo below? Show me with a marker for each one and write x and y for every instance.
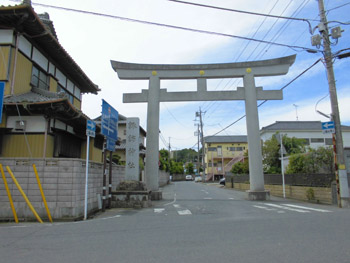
(20, 125)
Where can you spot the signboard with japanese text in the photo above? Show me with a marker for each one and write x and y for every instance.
(328, 127)
(110, 145)
(109, 121)
(132, 148)
(90, 128)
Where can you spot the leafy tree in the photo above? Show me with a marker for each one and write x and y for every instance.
(164, 160)
(241, 167)
(271, 156)
(318, 160)
(189, 168)
(293, 145)
(176, 167)
(272, 151)
(185, 155)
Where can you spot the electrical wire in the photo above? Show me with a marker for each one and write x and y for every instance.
(243, 12)
(172, 26)
(263, 102)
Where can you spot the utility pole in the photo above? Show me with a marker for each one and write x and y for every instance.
(341, 176)
(199, 114)
(198, 162)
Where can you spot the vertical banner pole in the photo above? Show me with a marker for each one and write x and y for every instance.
(86, 177)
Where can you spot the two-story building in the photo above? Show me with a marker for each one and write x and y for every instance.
(311, 132)
(221, 152)
(42, 115)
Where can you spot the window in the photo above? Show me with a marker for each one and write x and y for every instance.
(317, 140)
(219, 151)
(238, 149)
(70, 96)
(329, 141)
(39, 79)
(212, 149)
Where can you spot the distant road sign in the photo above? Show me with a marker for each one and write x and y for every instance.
(328, 127)
(109, 121)
(90, 128)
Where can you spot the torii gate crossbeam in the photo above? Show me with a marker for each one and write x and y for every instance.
(249, 93)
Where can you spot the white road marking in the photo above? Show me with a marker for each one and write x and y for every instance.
(172, 201)
(184, 212)
(288, 208)
(111, 217)
(208, 198)
(176, 206)
(264, 207)
(231, 198)
(159, 210)
(309, 208)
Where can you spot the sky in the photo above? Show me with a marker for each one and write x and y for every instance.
(94, 40)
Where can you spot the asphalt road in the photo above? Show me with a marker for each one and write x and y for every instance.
(194, 222)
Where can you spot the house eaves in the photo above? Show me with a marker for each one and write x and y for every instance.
(23, 19)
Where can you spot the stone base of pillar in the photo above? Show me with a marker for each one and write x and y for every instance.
(345, 202)
(258, 195)
(156, 195)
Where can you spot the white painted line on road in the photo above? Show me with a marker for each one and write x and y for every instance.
(309, 208)
(172, 201)
(184, 212)
(265, 208)
(288, 208)
(231, 198)
(176, 206)
(208, 198)
(116, 216)
(159, 210)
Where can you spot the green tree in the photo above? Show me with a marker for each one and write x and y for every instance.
(271, 155)
(272, 151)
(318, 160)
(241, 167)
(176, 167)
(164, 160)
(189, 168)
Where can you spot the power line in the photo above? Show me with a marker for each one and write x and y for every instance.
(285, 86)
(172, 26)
(244, 12)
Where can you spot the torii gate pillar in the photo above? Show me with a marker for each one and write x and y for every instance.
(250, 94)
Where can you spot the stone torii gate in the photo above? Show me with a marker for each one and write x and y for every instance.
(201, 72)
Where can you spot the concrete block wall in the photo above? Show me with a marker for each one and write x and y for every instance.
(164, 178)
(322, 194)
(63, 182)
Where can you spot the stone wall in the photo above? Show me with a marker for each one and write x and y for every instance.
(63, 182)
(321, 194)
(164, 178)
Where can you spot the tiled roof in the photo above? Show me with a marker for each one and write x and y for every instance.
(229, 139)
(297, 126)
(23, 19)
(35, 96)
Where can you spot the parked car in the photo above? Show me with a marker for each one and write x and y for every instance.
(189, 178)
(198, 179)
(222, 181)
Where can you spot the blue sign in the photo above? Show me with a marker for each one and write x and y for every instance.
(110, 145)
(90, 128)
(90, 125)
(328, 127)
(109, 122)
(2, 88)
